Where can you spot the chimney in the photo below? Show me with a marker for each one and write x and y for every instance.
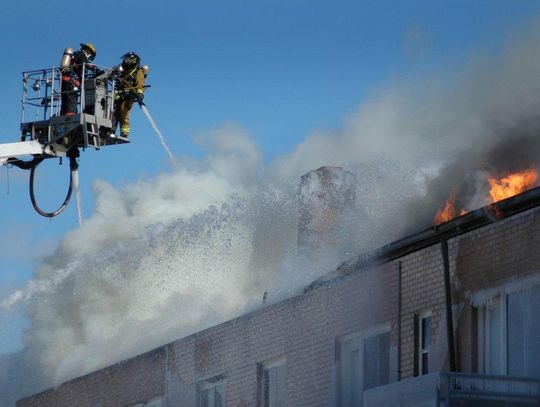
(327, 197)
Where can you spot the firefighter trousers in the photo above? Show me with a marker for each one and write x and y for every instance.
(122, 109)
(69, 98)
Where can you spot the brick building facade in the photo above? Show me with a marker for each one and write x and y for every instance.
(373, 333)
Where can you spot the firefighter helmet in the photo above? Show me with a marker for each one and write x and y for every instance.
(90, 50)
(130, 60)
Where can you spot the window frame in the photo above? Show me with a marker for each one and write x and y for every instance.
(484, 332)
(419, 346)
(355, 343)
(210, 383)
(499, 302)
(264, 367)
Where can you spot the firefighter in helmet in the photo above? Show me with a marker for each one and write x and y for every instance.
(129, 88)
(71, 65)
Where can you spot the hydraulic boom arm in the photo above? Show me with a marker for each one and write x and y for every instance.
(10, 152)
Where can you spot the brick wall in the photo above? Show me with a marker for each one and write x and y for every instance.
(302, 329)
(306, 328)
(505, 250)
(422, 290)
(129, 382)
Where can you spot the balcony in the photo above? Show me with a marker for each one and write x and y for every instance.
(444, 389)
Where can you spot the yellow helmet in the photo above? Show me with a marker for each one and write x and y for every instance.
(91, 49)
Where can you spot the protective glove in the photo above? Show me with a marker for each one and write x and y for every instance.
(140, 98)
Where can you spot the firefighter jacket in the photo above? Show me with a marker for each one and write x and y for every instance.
(130, 83)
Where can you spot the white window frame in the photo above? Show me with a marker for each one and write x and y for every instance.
(420, 349)
(269, 364)
(525, 360)
(208, 384)
(359, 338)
(484, 332)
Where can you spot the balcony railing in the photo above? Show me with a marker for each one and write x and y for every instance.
(494, 389)
(445, 389)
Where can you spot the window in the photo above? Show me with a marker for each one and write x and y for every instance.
(425, 338)
(523, 335)
(364, 364)
(211, 393)
(495, 350)
(509, 334)
(274, 383)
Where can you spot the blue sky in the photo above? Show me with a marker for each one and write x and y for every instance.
(279, 69)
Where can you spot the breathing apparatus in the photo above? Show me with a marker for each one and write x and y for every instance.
(66, 58)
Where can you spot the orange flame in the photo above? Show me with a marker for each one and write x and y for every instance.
(501, 188)
(448, 211)
(512, 184)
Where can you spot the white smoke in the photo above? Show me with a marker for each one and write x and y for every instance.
(158, 260)
(168, 256)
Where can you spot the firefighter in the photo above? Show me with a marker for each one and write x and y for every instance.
(72, 73)
(129, 88)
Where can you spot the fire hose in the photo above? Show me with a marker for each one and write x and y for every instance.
(73, 179)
